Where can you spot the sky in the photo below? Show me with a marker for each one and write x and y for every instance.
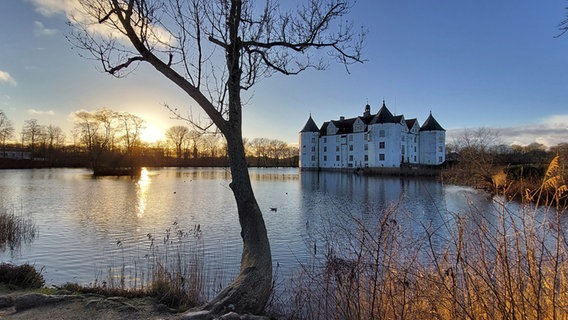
(495, 64)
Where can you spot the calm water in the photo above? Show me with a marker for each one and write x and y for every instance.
(87, 224)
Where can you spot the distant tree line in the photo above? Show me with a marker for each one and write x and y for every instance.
(108, 138)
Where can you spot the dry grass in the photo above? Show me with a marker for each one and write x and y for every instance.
(23, 276)
(15, 230)
(172, 271)
(503, 264)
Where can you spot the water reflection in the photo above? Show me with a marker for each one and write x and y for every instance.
(143, 185)
(81, 219)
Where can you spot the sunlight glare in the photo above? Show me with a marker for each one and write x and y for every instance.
(142, 191)
(152, 133)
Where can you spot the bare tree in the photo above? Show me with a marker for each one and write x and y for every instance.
(131, 127)
(477, 160)
(98, 132)
(210, 145)
(213, 50)
(31, 134)
(6, 129)
(177, 135)
(194, 137)
(55, 137)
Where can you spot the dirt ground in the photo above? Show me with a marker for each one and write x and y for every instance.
(33, 305)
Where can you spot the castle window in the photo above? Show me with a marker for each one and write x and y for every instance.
(381, 156)
(402, 138)
(351, 158)
(351, 138)
(324, 158)
(313, 140)
(325, 149)
(414, 148)
(381, 133)
(440, 149)
(366, 157)
(336, 148)
(324, 139)
(313, 158)
(338, 139)
(381, 145)
(414, 139)
(440, 159)
(313, 149)
(337, 158)
(366, 147)
(414, 158)
(366, 137)
(304, 147)
(351, 147)
(441, 139)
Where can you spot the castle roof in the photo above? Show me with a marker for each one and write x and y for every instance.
(410, 123)
(431, 124)
(384, 116)
(310, 126)
(323, 130)
(344, 126)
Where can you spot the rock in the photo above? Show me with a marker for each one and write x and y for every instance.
(236, 316)
(230, 316)
(6, 301)
(29, 301)
(32, 300)
(206, 315)
(196, 315)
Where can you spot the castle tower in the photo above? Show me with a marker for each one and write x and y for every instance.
(309, 145)
(432, 142)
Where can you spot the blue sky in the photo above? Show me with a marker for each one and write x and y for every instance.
(495, 64)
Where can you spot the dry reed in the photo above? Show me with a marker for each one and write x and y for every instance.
(510, 262)
(15, 230)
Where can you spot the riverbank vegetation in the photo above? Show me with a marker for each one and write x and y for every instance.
(498, 262)
(523, 173)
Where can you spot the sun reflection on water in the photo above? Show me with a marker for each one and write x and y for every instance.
(143, 185)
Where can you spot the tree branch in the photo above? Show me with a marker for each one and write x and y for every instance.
(124, 65)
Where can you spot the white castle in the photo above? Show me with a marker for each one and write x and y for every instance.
(372, 141)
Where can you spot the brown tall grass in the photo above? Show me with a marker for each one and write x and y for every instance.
(172, 270)
(15, 229)
(510, 262)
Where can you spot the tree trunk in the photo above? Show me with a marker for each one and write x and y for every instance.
(250, 290)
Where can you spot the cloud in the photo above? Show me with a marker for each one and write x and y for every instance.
(41, 112)
(73, 10)
(7, 78)
(549, 131)
(41, 30)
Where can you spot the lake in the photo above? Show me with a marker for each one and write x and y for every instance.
(88, 225)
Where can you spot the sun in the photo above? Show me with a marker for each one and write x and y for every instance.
(152, 133)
